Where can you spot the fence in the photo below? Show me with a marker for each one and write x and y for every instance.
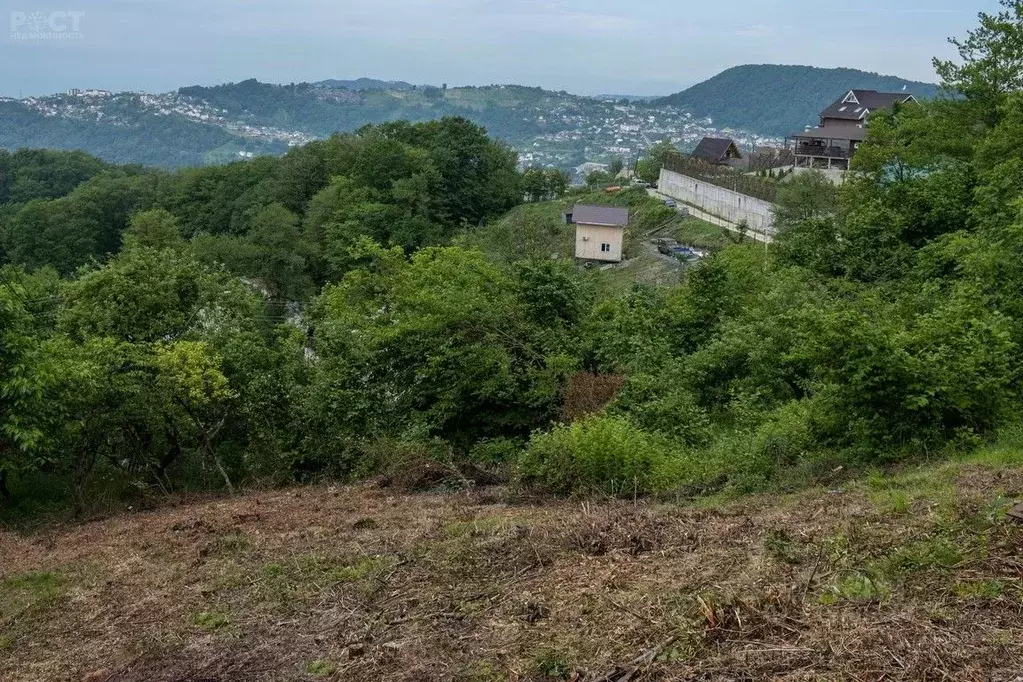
(722, 202)
(722, 176)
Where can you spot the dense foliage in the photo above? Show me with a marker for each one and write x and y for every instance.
(287, 222)
(316, 316)
(760, 96)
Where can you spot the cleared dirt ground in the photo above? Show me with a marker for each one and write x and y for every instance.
(912, 578)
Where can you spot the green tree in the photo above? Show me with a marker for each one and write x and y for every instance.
(649, 167)
(808, 196)
(280, 253)
(991, 59)
(442, 341)
(22, 383)
(155, 229)
(599, 179)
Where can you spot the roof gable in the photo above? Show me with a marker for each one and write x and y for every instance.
(611, 216)
(715, 149)
(857, 104)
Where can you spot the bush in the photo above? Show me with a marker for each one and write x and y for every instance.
(605, 453)
(660, 404)
(495, 451)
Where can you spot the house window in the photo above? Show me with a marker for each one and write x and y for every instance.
(605, 248)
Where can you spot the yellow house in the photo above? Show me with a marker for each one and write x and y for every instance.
(599, 231)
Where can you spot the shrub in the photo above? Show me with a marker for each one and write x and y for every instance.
(658, 403)
(495, 451)
(605, 453)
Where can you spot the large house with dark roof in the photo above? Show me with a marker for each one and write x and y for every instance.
(842, 129)
(719, 151)
(599, 232)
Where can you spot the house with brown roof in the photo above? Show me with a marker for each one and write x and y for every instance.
(719, 151)
(599, 232)
(843, 126)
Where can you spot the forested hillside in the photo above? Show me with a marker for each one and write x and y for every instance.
(509, 112)
(780, 100)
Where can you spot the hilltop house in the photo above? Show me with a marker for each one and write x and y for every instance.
(842, 129)
(599, 232)
(719, 151)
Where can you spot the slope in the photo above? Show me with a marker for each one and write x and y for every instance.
(912, 577)
(778, 100)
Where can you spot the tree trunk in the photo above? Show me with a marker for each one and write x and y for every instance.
(4, 492)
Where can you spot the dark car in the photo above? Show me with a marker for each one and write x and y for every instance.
(664, 245)
(670, 203)
(684, 253)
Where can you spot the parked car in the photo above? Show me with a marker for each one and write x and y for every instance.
(664, 244)
(640, 183)
(670, 203)
(684, 253)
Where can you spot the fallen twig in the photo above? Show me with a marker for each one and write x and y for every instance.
(644, 660)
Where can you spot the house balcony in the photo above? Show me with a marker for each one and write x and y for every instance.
(822, 151)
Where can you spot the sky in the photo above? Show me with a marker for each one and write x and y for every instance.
(641, 47)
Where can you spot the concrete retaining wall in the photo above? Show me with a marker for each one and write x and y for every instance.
(724, 203)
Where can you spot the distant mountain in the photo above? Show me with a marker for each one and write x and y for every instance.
(780, 100)
(360, 84)
(207, 125)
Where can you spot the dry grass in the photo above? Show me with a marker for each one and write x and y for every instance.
(365, 583)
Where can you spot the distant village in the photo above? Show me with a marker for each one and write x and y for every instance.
(593, 139)
(100, 105)
(626, 134)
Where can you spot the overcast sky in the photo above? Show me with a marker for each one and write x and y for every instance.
(583, 46)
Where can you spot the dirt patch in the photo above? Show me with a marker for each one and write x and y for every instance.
(363, 583)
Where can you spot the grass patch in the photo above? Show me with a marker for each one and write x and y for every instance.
(936, 553)
(701, 234)
(477, 528)
(857, 588)
(979, 589)
(308, 575)
(892, 502)
(480, 671)
(232, 544)
(899, 493)
(321, 669)
(553, 662)
(210, 621)
(780, 547)
(28, 594)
